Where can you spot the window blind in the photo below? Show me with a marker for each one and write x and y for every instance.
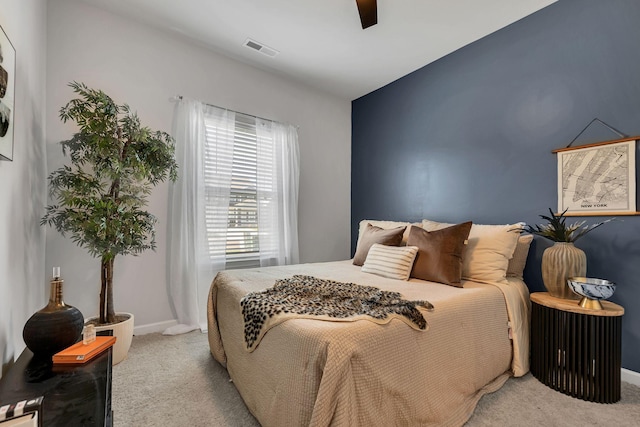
(250, 160)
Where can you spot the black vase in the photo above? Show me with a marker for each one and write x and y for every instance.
(55, 327)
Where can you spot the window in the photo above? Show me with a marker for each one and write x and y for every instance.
(241, 159)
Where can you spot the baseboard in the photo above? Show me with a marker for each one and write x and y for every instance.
(631, 377)
(153, 327)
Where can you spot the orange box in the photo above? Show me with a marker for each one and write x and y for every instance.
(80, 353)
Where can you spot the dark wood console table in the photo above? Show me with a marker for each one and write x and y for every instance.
(73, 395)
(575, 350)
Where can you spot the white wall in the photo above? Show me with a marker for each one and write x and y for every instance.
(143, 67)
(22, 182)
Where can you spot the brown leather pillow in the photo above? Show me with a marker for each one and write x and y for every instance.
(439, 256)
(373, 234)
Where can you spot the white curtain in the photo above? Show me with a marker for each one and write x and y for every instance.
(192, 258)
(199, 203)
(278, 192)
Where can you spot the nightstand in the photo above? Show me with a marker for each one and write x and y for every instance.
(576, 350)
(73, 395)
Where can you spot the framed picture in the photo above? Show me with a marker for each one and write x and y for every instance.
(598, 179)
(7, 95)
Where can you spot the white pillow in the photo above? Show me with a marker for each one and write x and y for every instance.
(387, 225)
(519, 260)
(394, 262)
(489, 249)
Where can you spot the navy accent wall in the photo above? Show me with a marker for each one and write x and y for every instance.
(469, 137)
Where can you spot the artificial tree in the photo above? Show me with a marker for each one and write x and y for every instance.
(99, 199)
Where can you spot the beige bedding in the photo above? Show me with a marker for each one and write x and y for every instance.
(320, 373)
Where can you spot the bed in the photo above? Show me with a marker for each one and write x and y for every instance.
(321, 373)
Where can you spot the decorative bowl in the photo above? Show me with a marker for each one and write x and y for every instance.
(591, 290)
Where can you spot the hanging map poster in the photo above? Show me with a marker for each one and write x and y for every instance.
(598, 179)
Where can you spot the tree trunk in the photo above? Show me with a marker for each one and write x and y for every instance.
(107, 314)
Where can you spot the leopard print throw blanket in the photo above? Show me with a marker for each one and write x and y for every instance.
(312, 298)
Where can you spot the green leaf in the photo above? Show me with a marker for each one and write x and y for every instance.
(556, 229)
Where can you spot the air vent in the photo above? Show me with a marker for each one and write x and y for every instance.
(266, 50)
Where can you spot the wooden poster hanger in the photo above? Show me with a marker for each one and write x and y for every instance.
(623, 137)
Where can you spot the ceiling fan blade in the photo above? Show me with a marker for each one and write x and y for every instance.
(368, 10)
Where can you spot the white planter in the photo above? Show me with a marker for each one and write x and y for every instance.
(123, 331)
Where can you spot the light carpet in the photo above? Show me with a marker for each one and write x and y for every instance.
(174, 381)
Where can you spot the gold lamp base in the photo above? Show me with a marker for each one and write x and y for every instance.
(591, 304)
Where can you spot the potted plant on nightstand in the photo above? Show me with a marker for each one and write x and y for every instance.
(99, 199)
(563, 259)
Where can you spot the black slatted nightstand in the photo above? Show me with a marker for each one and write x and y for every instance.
(574, 350)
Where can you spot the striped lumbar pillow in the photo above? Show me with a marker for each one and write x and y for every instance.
(394, 262)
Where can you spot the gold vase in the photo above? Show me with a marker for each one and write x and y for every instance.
(559, 262)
